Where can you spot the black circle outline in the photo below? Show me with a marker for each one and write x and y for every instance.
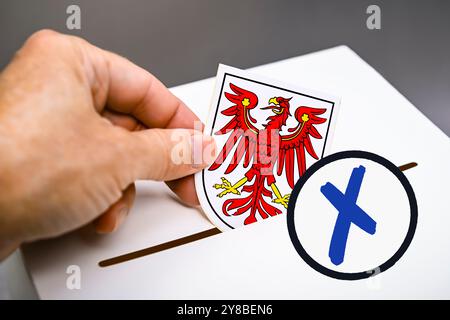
(340, 156)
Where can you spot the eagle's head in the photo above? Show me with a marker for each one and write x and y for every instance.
(279, 105)
(280, 108)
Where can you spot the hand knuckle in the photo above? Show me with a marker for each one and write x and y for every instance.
(161, 149)
(42, 37)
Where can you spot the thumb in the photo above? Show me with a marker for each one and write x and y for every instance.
(166, 154)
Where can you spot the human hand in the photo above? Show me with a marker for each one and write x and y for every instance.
(78, 125)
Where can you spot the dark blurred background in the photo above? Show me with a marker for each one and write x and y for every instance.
(184, 40)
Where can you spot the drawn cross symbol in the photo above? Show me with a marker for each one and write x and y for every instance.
(348, 212)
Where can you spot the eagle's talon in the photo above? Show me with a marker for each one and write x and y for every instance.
(227, 188)
(284, 200)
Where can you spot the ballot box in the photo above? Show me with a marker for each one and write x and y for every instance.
(259, 261)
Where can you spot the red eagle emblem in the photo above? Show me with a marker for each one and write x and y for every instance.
(266, 150)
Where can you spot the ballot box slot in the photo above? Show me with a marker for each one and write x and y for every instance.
(159, 247)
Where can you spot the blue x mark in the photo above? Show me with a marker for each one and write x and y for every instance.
(348, 213)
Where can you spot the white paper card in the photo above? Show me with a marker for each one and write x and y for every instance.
(267, 133)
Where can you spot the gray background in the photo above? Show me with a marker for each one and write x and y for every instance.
(180, 40)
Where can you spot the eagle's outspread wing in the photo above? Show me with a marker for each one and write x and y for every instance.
(243, 132)
(294, 144)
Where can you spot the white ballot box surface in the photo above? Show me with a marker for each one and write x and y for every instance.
(259, 261)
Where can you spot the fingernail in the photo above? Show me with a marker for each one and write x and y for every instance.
(203, 150)
(121, 216)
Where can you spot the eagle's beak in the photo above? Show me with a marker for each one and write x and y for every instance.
(274, 107)
(274, 101)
